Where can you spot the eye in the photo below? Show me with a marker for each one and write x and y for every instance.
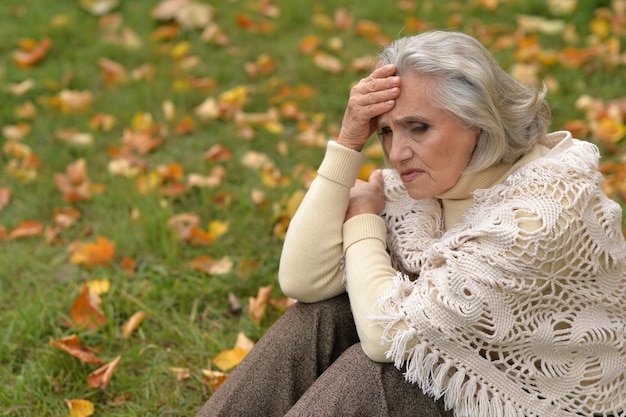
(385, 131)
(419, 127)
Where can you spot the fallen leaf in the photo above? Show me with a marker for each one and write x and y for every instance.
(92, 254)
(214, 379)
(129, 265)
(26, 229)
(65, 217)
(228, 359)
(22, 88)
(80, 408)
(132, 323)
(17, 131)
(233, 302)
(5, 197)
(72, 345)
(243, 342)
(101, 377)
(71, 101)
(327, 62)
(32, 54)
(99, 7)
(141, 141)
(212, 266)
(85, 312)
(113, 73)
(181, 373)
(99, 286)
(257, 305)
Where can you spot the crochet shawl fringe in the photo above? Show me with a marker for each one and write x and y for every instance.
(429, 370)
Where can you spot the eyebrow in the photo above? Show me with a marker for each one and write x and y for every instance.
(406, 120)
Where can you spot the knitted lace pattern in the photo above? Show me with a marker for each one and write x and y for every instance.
(520, 309)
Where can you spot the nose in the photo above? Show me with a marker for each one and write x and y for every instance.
(399, 150)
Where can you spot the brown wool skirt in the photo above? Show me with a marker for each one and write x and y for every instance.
(310, 363)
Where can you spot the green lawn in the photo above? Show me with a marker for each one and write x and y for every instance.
(145, 79)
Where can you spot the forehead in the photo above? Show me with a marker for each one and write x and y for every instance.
(416, 100)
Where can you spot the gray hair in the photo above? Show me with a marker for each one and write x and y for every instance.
(472, 86)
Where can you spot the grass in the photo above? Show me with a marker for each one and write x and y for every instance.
(188, 315)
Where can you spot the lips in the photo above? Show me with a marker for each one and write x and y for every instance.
(411, 174)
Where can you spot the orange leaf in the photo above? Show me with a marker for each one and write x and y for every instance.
(185, 126)
(133, 323)
(101, 377)
(72, 345)
(33, 55)
(258, 305)
(129, 265)
(218, 153)
(26, 229)
(112, 72)
(94, 253)
(142, 141)
(309, 44)
(80, 408)
(211, 266)
(85, 312)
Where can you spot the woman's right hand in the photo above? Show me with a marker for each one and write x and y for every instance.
(369, 98)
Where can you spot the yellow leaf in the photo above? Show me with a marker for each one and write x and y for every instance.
(228, 359)
(99, 286)
(80, 408)
(600, 27)
(181, 49)
(218, 228)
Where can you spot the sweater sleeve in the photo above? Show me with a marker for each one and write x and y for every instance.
(310, 265)
(369, 275)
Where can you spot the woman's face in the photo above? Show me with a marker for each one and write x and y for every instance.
(427, 146)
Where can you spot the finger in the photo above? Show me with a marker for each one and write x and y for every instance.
(384, 70)
(376, 178)
(372, 85)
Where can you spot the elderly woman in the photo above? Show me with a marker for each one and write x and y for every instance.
(485, 271)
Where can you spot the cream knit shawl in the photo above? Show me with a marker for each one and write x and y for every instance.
(520, 309)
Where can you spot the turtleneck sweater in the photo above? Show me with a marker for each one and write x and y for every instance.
(319, 242)
(502, 294)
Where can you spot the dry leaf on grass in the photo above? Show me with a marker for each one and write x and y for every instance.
(132, 323)
(257, 305)
(72, 345)
(80, 408)
(85, 312)
(101, 377)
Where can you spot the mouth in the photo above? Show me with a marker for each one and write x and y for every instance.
(409, 175)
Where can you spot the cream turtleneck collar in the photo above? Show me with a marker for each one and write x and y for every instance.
(460, 197)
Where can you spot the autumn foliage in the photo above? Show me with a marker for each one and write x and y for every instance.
(153, 154)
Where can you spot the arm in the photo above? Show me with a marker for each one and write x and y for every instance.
(310, 262)
(310, 267)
